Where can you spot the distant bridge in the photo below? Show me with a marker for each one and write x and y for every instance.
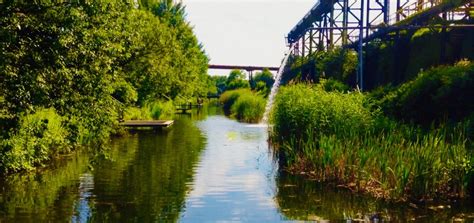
(237, 67)
(352, 23)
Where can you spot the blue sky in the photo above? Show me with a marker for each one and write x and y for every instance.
(245, 32)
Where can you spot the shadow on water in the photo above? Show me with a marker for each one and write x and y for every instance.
(301, 199)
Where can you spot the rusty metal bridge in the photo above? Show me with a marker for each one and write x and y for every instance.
(353, 23)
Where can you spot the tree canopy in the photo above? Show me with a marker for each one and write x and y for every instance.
(86, 59)
(236, 79)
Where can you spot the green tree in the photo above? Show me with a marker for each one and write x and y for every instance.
(220, 83)
(236, 79)
(263, 81)
(85, 60)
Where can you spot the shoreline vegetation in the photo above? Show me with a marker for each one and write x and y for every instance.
(70, 70)
(242, 99)
(407, 137)
(244, 105)
(410, 143)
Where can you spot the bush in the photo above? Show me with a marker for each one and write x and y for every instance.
(249, 108)
(151, 110)
(243, 104)
(125, 93)
(39, 136)
(135, 113)
(334, 85)
(160, 109)
(228, 98)
(445, 93)
(236, 80)
(338, 64)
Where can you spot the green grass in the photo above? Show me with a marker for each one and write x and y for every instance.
(343, 138)
(249, 108)
(151, 110)
(244, 104)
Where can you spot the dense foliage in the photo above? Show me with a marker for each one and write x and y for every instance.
(262, 82)
(338, 64)
(220, 83)
(394, 60)
(236, 80)
(401, 58)
(244, 104)
(347, 138)
(445, 93)
(86, 61)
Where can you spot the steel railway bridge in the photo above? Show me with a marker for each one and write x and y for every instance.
(353, 23)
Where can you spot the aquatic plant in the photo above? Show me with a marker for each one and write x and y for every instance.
(243, 104)
(343, 138)
(249, 108)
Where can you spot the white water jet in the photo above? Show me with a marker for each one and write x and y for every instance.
(275, 86)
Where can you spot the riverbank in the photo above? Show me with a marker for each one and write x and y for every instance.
(71, 71)
(205, 164)
(381, 143)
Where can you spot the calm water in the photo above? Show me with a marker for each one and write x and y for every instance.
(206, 168)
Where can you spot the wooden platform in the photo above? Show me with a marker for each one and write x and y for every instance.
(148, 123)
(185, 108)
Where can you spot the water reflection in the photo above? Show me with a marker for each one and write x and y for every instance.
(148, 178)
(145, 179)
(235, 175)
(206, 168)
(302, 199)
(45, 196)
(83, 207)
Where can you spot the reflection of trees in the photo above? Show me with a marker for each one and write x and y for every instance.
(300, 199)
(145, 179)
(154, 187)
(45, 195)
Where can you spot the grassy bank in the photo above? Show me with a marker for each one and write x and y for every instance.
(352, 140)
(243, 104)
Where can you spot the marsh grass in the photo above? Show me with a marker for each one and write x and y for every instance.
(342, 138)
(243, 104)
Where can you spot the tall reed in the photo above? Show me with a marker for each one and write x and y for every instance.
(244, 104)
(339, 137)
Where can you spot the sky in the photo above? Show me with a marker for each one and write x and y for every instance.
(245, 32)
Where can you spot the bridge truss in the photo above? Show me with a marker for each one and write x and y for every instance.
(352, 23)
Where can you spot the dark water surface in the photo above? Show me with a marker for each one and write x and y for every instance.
(206, 168)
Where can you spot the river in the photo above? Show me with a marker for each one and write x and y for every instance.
(205, 168)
